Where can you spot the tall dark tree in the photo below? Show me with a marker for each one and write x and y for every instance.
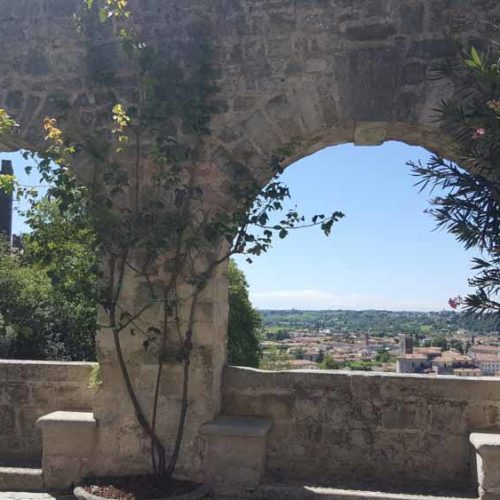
(244, 322)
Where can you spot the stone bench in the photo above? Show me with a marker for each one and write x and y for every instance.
(235, 458)
(488, 464)
(68, 447)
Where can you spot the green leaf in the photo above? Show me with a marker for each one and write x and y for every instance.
(103, 15)
(476, 57)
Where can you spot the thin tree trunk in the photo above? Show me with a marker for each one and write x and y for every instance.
(133, 398)
(188, 347)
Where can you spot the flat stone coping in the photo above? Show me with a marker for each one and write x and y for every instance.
(310, 492)
(67, 419)
(27, 362)
(483, 441)
(362, 374)
(20, 470)
(237, 426)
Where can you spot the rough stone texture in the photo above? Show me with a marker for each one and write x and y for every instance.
(12, 478)
(322, 72)
(316, 70)
(235, 455)
(69, 440)
(30, 389)
(412, 430)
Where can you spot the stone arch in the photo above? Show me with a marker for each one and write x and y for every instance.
(321, 71)
(328, 72)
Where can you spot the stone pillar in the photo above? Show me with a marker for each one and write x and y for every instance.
(122, 446)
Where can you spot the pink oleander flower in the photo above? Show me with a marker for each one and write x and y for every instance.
(479, 133)
(494, 105)
(454, 302)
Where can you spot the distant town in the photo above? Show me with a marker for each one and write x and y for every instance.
(434, 343)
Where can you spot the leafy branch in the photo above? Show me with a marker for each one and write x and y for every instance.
(470, 207)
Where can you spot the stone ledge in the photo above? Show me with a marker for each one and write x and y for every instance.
(20, 478)
(237, 426)
(274, 491)
(483, 441)
(67, 419)
(28, 362)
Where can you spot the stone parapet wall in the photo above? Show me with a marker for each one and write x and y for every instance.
(30, 389)
(400, 429)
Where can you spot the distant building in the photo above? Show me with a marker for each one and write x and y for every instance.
(449, 361)
(6, 203)
(484, 349)
(431, 352)
(486, 358)
(432, 360)
(412, 363)
(467, 372)
(488, 363)
(406, 344)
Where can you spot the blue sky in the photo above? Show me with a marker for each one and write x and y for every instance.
(383, 255)
(18, 162)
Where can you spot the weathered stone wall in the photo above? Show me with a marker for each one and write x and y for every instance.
(30, 389)
(320, 72)
(343, 426)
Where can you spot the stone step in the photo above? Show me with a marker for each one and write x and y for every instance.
(20, 479)
(235, 458)
(237, 426)
(298, 492)
(69, 441)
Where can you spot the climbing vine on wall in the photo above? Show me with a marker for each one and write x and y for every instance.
(150, 209)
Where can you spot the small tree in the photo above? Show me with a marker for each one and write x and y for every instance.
(48, 290)
(244, 322)
(329, 363)
(160, 230)
(63, 244)
(26, 310)
(275, 359)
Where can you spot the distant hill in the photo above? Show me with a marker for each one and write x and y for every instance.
(379, 323)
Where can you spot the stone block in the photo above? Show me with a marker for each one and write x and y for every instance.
(69, 441)
(235, 459)
(370, 134)
(488, 464)
(371, 32)
(448, 416)
(261, 132)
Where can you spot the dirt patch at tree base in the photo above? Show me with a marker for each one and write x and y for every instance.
(140, 488)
